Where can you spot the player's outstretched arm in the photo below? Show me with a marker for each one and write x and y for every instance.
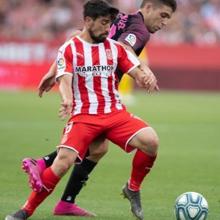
(48, 80)
(65, 88)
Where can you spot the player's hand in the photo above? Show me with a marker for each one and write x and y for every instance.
(46, 83)
(151, 80)
(65, 109)
(150, 83)
(147, 81)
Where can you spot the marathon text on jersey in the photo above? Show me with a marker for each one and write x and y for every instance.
(96, 70)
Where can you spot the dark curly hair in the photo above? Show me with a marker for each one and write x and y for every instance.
(99, 8)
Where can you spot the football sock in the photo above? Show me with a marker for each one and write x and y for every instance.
(49, 180)
(141, 166)
(48, 159)
(77, 180)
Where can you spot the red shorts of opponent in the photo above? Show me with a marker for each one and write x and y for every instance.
(119, 127)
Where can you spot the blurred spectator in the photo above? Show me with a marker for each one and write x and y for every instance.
(38, 19)
(195, 22)
(190, 24)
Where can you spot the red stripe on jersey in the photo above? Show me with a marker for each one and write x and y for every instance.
(97, 80)
(68, 59)
(81, 80)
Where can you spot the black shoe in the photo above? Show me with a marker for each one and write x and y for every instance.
(135, 201)
(19, 215)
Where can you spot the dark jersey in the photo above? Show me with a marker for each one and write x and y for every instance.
(130, 30)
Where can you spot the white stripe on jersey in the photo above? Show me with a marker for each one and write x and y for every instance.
(104, 80)
(115, 91)
(134, 60)
(76, 92)
(93, 107)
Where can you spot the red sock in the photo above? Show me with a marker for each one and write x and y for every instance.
(141, 166)
(49, 180)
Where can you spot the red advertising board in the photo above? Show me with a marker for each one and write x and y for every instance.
(22, 64)
(21, 76)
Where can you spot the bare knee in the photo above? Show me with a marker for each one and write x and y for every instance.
(152, 144)
(64, 160)
(147, 140)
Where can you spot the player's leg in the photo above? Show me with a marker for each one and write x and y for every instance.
(146, 141)
(50, 178)
(143, 159)
(70, 149)
(135, 133)
(141, 167)
(35, 167)
(78, 178)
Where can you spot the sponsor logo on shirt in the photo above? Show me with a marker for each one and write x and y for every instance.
(96, 70)
(131, 39)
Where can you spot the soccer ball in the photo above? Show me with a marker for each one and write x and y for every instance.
(191, 206)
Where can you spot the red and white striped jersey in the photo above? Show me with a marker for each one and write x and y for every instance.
(93, 66)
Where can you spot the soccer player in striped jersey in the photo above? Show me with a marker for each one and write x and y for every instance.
(88, 85)
(133, 31)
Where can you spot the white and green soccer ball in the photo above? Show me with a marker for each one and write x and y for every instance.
(191, 206)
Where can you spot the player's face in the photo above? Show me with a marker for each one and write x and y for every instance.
(157, 17)
(99, 28)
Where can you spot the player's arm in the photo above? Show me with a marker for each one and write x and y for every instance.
(64, 75)
(143, 66)
(48, 80)
(65, 88)
(129, 63)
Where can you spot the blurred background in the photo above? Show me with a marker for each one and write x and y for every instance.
(184, 56)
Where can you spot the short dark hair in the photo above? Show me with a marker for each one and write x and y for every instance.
(99, 8)
(171, 3)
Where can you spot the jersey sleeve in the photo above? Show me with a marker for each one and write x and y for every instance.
(126, 60)
(64, 61)
(135, 36)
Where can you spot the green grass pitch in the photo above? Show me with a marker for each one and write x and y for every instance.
(188, 125)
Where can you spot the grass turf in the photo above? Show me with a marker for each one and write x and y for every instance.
(188, 125)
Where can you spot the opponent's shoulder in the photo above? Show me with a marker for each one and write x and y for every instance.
(137, 29)
(136, 22)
